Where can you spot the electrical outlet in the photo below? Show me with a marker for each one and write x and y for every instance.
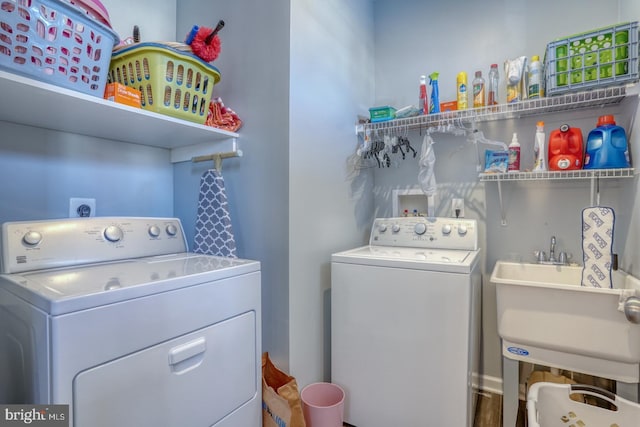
(457, 208)
(79, 207)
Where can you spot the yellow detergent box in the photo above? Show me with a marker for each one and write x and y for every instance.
(448, 106)
(122, 94)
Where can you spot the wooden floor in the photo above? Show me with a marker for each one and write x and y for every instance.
(489, 411)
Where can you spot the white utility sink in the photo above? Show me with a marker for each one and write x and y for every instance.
(546, 317)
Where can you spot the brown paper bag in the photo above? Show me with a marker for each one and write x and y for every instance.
(281, 404)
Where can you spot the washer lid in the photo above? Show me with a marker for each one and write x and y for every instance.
(65, 290)
(455, 261)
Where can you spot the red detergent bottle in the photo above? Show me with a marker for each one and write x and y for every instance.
(565, 149)
(607, 146)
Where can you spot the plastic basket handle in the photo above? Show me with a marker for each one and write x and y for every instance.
(596, 392)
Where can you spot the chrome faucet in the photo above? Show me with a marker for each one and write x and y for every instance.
(563, 258)
(552, 250)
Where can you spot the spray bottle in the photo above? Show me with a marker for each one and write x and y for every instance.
(514, 154)
(434, 107)
(423, 103)
(539, 152)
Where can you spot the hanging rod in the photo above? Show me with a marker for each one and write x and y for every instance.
(217, 158)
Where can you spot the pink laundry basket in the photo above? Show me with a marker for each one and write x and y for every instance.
(323, 405)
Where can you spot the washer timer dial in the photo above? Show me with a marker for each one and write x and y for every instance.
(172, 230)
(154, 231)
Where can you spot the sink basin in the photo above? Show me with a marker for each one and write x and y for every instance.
(546, 317)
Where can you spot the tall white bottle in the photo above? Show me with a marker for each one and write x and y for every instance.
(539, 151)
(535, 78)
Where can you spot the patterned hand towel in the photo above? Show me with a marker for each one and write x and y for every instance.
(597, 242)
(214, 234)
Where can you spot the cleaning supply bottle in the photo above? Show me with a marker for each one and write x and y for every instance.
(535, 76)
(461, 90)
(565, 149)
(607, 146)
(434, 106)
(539, 152)
(423, 103)
(494, 81)
(514, 154)
(478, 90)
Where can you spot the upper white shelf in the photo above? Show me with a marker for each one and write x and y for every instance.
(567, 102)
(33, 103)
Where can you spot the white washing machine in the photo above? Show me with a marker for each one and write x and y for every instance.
(405, 323)
(115, 318)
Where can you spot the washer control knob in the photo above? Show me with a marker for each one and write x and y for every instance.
(446, 229)
(382, 227)
(462, 229)
(172, 230)
(154, 231)
(395, 228)
(420, 228)
(32, 238)
(113, 233)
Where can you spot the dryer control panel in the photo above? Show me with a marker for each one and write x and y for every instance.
(36, 245)
(427, 233)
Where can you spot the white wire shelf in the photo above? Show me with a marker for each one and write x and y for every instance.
(557, 175)
(591, 174)
(571, 101)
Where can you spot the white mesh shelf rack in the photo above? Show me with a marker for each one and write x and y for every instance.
(567, 102)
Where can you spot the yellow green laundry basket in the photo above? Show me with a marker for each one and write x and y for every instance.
(171, 81)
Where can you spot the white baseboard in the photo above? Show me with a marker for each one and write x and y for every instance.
(488, 383)
(493, 385)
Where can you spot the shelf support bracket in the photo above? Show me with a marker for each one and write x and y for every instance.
(503, 215)
(595, 189)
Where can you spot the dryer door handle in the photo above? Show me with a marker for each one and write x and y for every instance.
(188, 355)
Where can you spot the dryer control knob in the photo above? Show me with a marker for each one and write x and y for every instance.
(395, 228)
(382, 228)
(446, 229)
(154, 231)
(172, 230)
(113, 233)
(462, 230)
(32, 238)
(420, 228)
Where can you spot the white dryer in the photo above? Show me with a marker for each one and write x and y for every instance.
(115, 318)
(405, 323)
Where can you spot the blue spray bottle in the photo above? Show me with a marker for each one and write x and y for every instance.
(434, 106)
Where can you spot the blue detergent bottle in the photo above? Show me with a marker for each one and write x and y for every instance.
(607, 146)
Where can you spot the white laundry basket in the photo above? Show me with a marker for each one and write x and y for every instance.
(550, 405)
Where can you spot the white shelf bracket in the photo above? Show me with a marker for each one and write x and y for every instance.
(503, 215)
(595, 189)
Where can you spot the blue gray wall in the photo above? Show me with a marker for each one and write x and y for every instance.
(458, 35)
